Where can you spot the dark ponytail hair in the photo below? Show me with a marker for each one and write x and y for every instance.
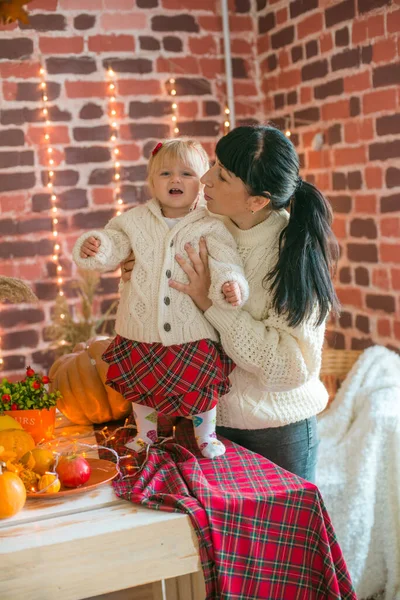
(267, 163)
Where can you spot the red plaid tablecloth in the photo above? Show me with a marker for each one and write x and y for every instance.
(263, 533)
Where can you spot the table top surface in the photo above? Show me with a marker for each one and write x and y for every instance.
(49, 531)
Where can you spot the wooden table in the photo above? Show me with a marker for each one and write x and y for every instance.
(93, 543)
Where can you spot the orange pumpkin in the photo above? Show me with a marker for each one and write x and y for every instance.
(81, 377)
(12, 494)
(16, 441)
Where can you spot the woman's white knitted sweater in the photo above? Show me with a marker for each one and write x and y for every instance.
(276, 380)
(149, 310)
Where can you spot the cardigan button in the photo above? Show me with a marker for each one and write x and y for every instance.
(167, 301)
(168, 273)
(171, 244)
(167, 327)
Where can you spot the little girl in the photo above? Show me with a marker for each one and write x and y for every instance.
(166, 357)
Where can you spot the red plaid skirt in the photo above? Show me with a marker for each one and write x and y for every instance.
(180, 380)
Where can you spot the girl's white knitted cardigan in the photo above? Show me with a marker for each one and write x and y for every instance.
(149, 310)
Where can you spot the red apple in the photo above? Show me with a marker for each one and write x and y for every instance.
(73, 470)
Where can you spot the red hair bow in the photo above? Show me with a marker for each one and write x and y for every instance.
(156, 149)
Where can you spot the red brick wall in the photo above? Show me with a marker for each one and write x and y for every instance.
(334, 64)
(146, 42)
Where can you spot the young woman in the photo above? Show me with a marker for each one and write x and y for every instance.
(282, 227)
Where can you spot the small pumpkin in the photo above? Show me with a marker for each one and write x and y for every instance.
(12, 494)
(80, 377)
(16, 442)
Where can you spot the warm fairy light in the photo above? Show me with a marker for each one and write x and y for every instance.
(112, 87)
(288, 132)
(174, 107)
(227, 123)
(50, 176)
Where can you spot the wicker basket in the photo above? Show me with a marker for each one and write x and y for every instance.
(335, 366)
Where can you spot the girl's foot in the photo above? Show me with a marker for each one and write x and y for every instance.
(210, 447)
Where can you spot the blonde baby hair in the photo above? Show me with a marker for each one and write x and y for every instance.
(185, 150)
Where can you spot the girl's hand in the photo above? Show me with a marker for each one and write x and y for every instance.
(90, 247)
(127, 267)
(198, 274)
(231, 291)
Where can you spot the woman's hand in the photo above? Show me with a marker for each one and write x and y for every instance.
(127, 267)
(198, 274)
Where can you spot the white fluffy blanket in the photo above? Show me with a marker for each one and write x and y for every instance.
(358, 471)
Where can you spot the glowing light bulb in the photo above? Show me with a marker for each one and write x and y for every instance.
(288, 133)
(173, 92)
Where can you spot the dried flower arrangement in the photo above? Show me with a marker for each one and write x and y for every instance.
(67, 331)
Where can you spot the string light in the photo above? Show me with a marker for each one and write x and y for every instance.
(50, 180)
(113, 114)
(174, 106)
(227, 122)
(288, 131)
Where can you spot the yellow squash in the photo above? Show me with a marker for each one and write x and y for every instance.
(16, 442)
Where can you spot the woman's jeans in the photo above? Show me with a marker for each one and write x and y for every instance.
(293, 447)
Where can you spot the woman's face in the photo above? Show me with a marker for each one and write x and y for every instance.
(225, 193)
